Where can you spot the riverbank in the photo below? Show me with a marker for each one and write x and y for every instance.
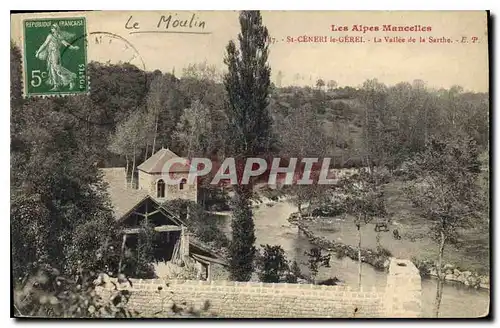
(381, 261)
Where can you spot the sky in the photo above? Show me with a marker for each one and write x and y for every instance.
(438, 64)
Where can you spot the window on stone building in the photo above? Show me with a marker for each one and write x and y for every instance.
(182, 183)
(160, 189)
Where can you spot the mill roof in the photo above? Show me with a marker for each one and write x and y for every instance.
(156, 163)
(123, 198)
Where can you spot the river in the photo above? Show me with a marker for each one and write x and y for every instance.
(272, 227)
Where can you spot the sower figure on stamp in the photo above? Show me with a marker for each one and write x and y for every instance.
(50, 51)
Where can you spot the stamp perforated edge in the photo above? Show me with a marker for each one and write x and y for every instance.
(23, 62)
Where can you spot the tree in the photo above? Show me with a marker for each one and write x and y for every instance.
(194, 129)
(447, 193)
(144, 251)
(202, 71)
(374, 96)
(47, 293)
(301, 135)
(364, 200)
(294, 273)
(16, 86)
(208, 231)
(317, 260)
(273, 264)
(320, 83)
(173, 100)
(117, 90)
(332, 84)
(279, 79)
(60, 213)
(16, 111)
(247, 84)
(129, 139)
(155, 104)
(242, 249)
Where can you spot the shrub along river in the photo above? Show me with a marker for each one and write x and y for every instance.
(272, 227)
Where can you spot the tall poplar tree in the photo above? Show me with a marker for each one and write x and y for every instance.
(249, 127)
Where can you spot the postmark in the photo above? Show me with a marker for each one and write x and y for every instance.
(55, 57)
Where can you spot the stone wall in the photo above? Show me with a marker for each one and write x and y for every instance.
(378, 261)
(148, 182)
(403, 293)
(401, 298)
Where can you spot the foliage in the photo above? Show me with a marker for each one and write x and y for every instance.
(215, 198)
(301, 135)
(144, 251)
(382, 251)
(447, 193)
(331, 85)
(117, 90)
(340, 253)
(294, 273)
(331, 208)
(272, 263)
(194, 129)
(363, 200)
(47, 293)
(242, 249)
(273, 194)
(130, 136)
(58, 199)
(202, 71)
(60, 213)
(320, 83)
(316, 260)
(16, 86)
(363, 196)
(247, 85)
(399, 121)
(249, 129)
(199, 223)
(424, 266)
(273, 266)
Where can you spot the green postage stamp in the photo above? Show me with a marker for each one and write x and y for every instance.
(55, 56)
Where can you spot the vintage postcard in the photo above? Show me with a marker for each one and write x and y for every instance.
(250, 164)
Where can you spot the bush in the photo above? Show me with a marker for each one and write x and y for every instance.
(216, 199)
(340, 107)
(423, 266)
(272, 263)
(382, 251)
(331, 209)
(47, 293)
(212, 233)
(329, 282)
(293, 274)
(199, 223)
(316, 260)
(340, 253)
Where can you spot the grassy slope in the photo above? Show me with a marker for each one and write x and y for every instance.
(341, 119)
